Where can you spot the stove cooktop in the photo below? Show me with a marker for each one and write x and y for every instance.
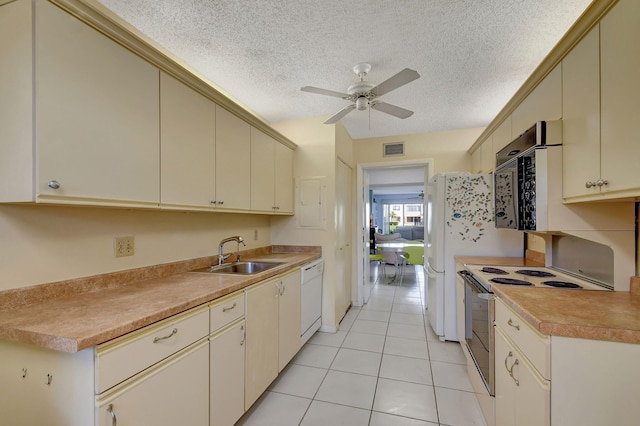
(529, 277)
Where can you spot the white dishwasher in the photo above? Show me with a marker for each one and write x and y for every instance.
(311, 294)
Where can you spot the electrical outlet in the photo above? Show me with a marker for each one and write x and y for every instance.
(124, 246)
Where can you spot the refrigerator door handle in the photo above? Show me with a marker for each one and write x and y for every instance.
(431, 268)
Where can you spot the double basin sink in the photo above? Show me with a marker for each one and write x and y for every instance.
(238, 268)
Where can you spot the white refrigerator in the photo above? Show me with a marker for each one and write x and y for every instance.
(459, 222)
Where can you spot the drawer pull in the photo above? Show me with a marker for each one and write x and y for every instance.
(229, 308)
(110, 410)
(510, 370)
(516, 326)
(173, 332)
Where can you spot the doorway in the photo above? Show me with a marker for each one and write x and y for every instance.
(394, 187)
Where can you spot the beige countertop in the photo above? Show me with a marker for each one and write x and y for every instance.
(586, 314)
(78, 314)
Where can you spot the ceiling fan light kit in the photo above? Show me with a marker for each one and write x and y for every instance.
(364, 93)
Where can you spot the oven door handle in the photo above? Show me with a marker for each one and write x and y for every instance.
(476, 288)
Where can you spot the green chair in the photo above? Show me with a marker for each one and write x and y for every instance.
(415, 255)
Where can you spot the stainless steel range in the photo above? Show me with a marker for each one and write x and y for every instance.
(479, 304)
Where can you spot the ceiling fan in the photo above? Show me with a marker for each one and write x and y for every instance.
(364, 93)
(420, 196)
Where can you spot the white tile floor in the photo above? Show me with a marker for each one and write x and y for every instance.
(385, 367)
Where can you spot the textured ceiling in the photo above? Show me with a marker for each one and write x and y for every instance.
(472, 55)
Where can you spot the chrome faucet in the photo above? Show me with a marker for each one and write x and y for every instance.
(222, 257)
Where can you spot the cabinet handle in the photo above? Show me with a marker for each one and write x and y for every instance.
(213, 202)
(229, 308)
(220, 203)
(54, 184)
(510, 370)
(244, 335)
(110, 410)
(278, 289)
(516, 326)
(173, 332)
(589, 184)
(282, 289)
(602, 182)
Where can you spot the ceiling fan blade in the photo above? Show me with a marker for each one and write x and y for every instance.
(326, 92)
(337, 116)
(396, 111)
(403, 77)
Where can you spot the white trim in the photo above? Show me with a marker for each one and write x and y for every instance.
(357, 291)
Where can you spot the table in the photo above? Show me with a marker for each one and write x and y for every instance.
(398, 247)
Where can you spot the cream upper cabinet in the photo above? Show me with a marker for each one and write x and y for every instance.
(487, 156)
(233, 161)
(620, 91)
(284, 179)
(476, 160)
(543, 103)
(263, 165)
(97, 123)
(581, 116)
(271, 174)
(188, 150)
(502, 136)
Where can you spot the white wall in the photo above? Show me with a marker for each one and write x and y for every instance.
(318, 147)
(448, 149)
(41, 244)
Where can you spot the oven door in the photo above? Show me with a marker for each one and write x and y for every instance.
(479, 306)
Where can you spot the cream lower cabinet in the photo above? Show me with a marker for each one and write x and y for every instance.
(522, 395)
(95, 137)
(227, 344)
(172, 393)
(273, 331)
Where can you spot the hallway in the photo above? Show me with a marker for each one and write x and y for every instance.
(385, 367)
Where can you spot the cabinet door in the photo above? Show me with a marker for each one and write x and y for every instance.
(263, 171)
(581, 116)
(233, 161)
(284, 179)
(16, 106)
(261, 361)
(505, 387)
(187, 141)
(97, 124)
(227, 376)
(289, 320)
(620, 91)
(173, 393)
(543, 103)
(487, 156)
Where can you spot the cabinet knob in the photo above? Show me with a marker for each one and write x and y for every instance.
(213, 202)
(602, 182)
(53, 184)
(220, 203)
(589, 184)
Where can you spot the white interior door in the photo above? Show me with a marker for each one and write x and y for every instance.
(366, 225)
(343, 238)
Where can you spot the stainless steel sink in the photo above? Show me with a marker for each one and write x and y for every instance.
(239, 268)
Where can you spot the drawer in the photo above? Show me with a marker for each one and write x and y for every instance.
(226, 310)
(125, 356)
(535, 346)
